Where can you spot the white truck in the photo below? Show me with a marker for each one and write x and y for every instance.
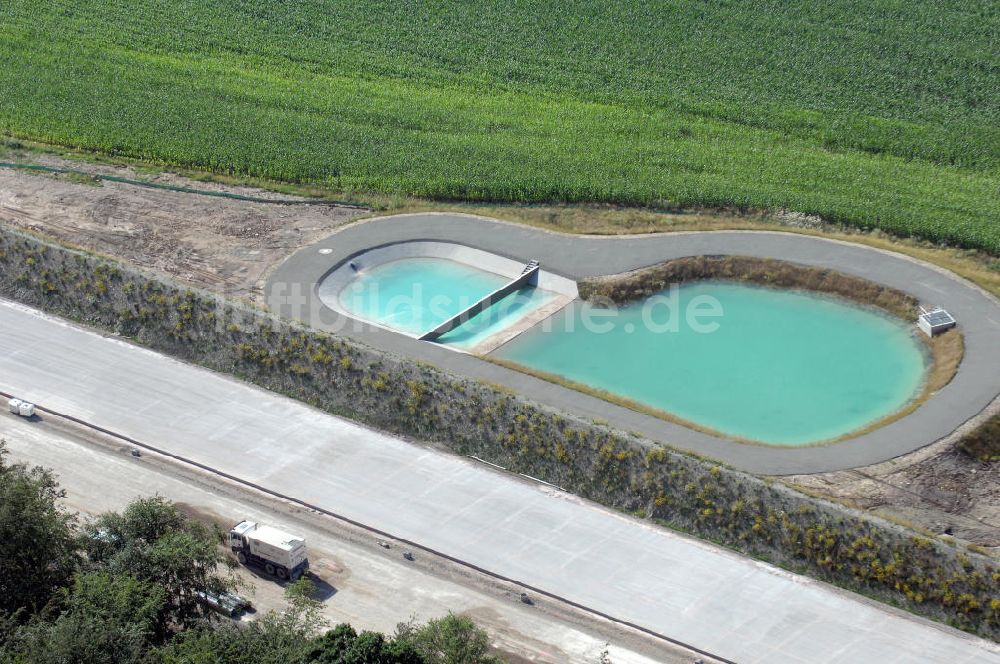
(22, 408)
(280, 554)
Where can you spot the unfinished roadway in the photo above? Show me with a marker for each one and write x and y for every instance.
(682, 588)
(292, 291)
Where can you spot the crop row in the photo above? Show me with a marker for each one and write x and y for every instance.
(589, 101)
(914, 80)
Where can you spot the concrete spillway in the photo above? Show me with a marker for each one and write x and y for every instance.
(528, 277)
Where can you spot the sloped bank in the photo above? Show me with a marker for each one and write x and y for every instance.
(741, 511)
(639, 284)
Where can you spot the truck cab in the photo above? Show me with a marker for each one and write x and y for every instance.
(278, 553)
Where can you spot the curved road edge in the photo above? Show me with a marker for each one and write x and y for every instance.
(291, 292)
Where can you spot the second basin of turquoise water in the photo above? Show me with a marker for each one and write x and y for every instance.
(782, 367)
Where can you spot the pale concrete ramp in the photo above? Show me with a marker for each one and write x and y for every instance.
(689, 590)
(528, 277)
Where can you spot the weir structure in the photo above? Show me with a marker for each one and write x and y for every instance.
(528, 277)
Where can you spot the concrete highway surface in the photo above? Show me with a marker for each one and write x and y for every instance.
(713, 599)
(358, 582)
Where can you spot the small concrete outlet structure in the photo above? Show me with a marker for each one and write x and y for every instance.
(935, 321)
(519, 274)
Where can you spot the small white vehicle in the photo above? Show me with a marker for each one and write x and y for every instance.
(22, 408)
(280, 554)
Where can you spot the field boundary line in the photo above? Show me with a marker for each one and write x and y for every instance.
(182, 189)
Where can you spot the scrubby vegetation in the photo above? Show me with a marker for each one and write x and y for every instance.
(753, 516)
(878, 114)
(123, 590)
(643, 283)
(983, 443)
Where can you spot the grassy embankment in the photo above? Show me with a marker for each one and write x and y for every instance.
(640, 284)
(758, 518)
(875, 115)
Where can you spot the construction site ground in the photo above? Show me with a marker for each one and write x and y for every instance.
(229, 246)
(359, 578)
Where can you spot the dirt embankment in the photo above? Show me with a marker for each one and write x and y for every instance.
(642, 283)
(938, 488)
(227, 246)
(216, 243)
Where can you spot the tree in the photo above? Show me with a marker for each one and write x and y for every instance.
(450, 640)
(104, 619)
(152, 541)
(264, 641)
(330, 647)
(343, 645)
(274, 638)
(36, 544)
(304, 615)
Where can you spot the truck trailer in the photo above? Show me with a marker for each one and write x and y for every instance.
(278, 553)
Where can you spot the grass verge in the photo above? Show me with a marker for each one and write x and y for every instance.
(984, 442)
(639, 284)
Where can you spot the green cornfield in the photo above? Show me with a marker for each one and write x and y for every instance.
(877, 113)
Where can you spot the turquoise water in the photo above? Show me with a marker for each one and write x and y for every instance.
(414, 295)
(782, 367)
(496, 318)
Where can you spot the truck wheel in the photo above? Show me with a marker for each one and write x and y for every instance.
(269, 568)
(282, 573)
(242, 557)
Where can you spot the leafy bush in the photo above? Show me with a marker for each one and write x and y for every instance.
(154, 543)
(36, 543)
(452, 639)
(105, 619)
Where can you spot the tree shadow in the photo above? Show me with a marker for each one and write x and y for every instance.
(324, 590)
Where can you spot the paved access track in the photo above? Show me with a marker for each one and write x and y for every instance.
(291, 292)
(689, 590)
